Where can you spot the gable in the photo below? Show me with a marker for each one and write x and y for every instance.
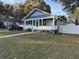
(36, 13)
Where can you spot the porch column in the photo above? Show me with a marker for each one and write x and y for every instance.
(25, 22)
(53, 21)
(35, 22)
(53, 24)
(38, 23)
(32, 25)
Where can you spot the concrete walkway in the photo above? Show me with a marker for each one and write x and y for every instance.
(7, 36)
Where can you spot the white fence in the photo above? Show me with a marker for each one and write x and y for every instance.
(69, 29)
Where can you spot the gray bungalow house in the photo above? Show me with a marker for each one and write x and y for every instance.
(41, 20)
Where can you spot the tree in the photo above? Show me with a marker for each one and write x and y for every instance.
(22, 13)
(76, 21)
(27, 7)
(71, 7)
(63, 17)
(1, 8)
(5, 9)
(44, 6)
(8, 9)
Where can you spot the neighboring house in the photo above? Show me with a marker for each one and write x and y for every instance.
(8, 21)
(41, 20)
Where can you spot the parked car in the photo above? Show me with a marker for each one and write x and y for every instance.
(14, 27)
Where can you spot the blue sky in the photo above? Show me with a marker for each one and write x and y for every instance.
(56, 8)
(12, 1)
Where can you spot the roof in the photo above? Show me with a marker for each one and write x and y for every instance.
(36, 13)
(39, 14)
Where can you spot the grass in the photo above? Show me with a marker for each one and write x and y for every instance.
(40, 46)
(3, 29)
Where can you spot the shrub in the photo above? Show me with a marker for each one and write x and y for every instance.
(1, 25)
(29, 30)
(56, 31)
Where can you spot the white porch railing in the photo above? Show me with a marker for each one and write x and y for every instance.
(41, 27)
(45, 28)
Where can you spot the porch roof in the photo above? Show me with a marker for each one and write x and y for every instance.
(39, 18)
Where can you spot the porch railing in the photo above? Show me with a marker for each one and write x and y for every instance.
(41, 27)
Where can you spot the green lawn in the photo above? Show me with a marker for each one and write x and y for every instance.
(40, 46)
(3, 29)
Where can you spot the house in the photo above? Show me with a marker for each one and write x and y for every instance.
(41, 20)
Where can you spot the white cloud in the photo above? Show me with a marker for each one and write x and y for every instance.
(12, 1)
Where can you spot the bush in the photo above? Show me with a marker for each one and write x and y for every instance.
(29, 30)
(56, 32)
(1, 25)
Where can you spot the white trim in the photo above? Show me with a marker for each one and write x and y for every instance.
(33, 11)
(39, 18)
(32, 22)
(38, 23)
(53, 21)
(35, 22)
(25, 22)
(43, 11)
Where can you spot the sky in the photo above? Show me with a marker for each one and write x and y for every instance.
(56, 8)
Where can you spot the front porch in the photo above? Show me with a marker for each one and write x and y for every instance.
(41, 24)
